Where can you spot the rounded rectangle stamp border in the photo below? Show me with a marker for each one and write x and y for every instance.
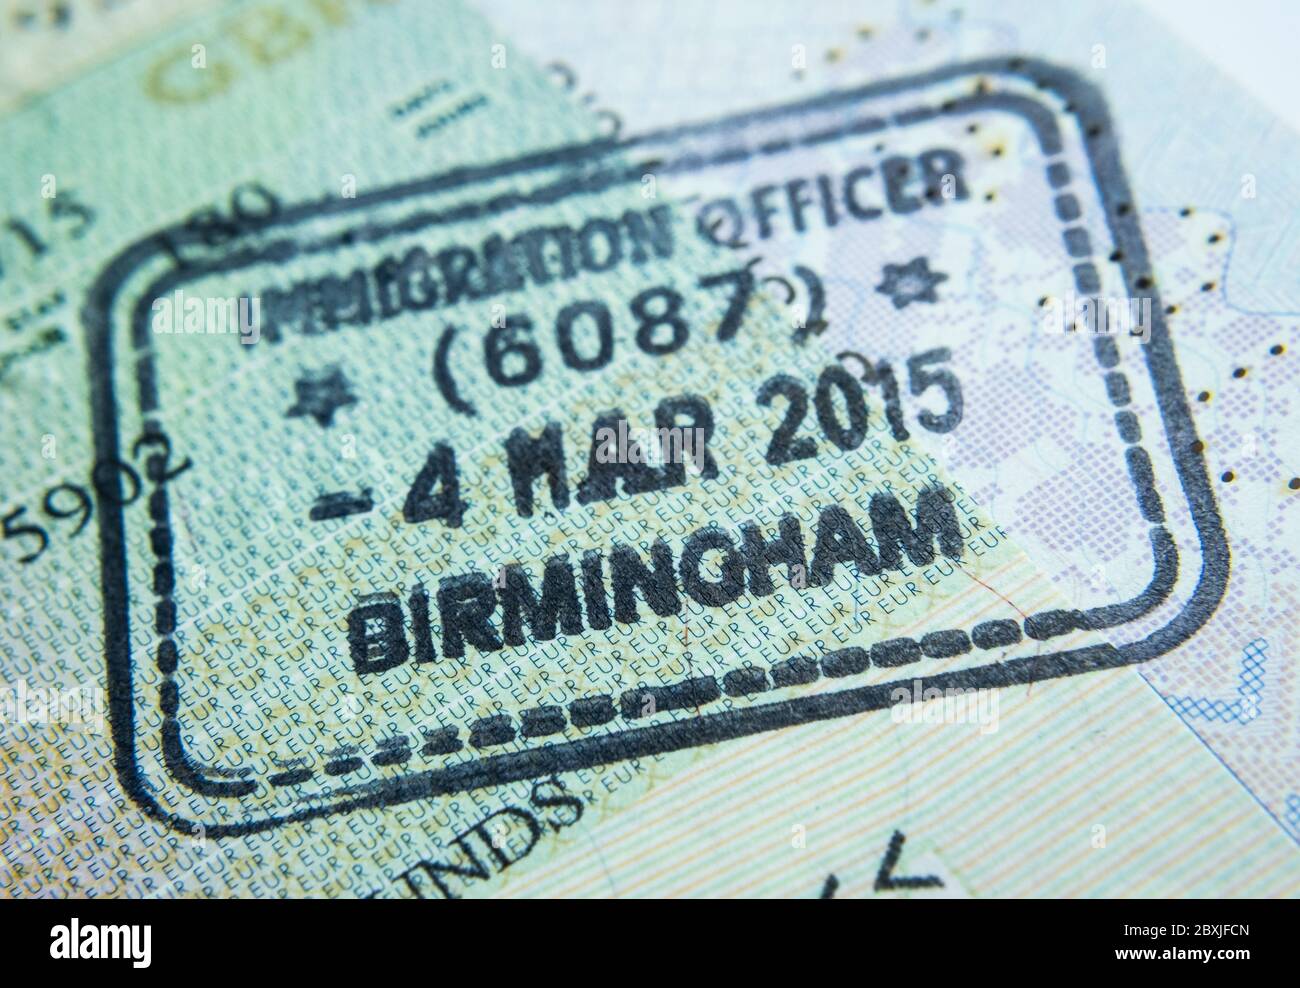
(1028, 85)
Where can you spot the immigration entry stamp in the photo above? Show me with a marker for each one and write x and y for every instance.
(617, 450)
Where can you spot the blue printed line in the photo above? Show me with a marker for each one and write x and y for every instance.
(1245, 708)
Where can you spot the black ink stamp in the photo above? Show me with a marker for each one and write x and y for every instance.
(1058, 106)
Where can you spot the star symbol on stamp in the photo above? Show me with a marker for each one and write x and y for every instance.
(320, 394)
(910, 282)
